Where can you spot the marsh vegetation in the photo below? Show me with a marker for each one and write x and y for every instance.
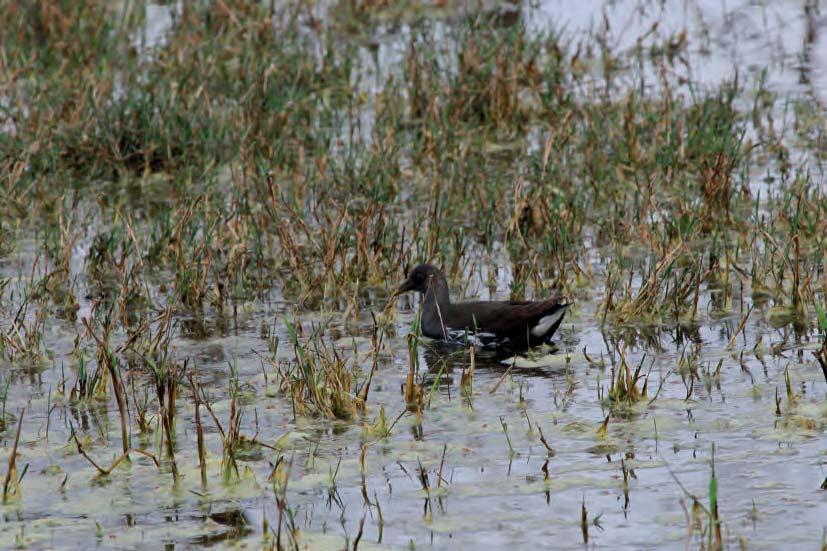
(205, 206)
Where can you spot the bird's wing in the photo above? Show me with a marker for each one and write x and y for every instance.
(498, 317)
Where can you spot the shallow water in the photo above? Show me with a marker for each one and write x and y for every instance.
(783, 38)
(494, 491)
(769, 467)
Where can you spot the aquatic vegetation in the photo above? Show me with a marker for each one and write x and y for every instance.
(201, 225)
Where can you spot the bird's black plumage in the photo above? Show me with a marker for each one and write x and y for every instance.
(516, 324)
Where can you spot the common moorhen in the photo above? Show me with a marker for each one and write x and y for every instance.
(512, 324)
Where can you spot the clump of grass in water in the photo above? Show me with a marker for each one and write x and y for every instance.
(712, 531)
(22, 343)
(199, 430)
(280, 477)
(11, 484)
(466, 380)
(3, 421)
(821, 354)
(106, 357)
(230, 438)
(414, 394)
(166, 376)
(623, 388)
(320, 383)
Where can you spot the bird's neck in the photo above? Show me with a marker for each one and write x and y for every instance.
(437, 293)
(434, 304)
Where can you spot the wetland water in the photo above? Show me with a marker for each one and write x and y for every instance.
(696, 291)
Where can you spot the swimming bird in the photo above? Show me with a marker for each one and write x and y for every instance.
(511, 324)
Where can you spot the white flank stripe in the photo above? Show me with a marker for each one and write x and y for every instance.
(547, 323)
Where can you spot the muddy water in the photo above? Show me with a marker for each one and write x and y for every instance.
(493, 491)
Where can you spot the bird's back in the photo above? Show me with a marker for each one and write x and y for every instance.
(524, 323)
